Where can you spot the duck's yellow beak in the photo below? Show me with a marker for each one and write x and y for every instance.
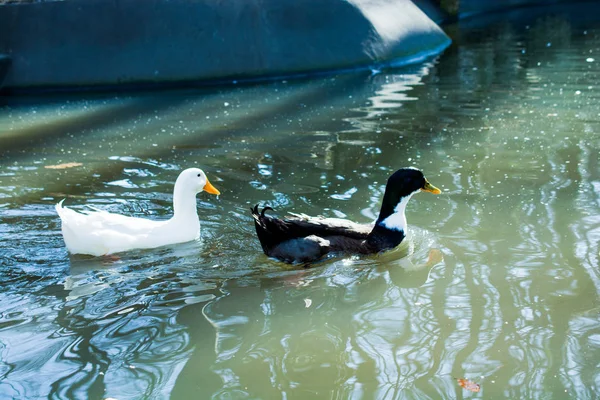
(428, 187)
(209, 188)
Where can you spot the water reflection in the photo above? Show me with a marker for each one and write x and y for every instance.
(498, 284)
(287, 313)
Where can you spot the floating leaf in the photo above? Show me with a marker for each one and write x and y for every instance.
(435, 257)
(467, 384)
(64, 166)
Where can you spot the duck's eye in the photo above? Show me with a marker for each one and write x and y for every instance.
(198, 175)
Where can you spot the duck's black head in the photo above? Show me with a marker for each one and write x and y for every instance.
(402, 184)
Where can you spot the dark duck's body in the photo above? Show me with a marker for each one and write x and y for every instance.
(301, 239)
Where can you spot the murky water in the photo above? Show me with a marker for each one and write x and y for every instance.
(498, 283)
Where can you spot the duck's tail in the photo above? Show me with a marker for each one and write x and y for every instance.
(266, 228)
(60, 209)
(69, 218)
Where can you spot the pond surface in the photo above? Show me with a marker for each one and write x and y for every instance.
(498, 282)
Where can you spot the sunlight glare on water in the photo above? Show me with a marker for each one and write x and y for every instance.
(498, 282)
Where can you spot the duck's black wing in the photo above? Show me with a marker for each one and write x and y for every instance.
(273, 231)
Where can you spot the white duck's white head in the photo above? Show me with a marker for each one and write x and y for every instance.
(189, 183)
(195, 180)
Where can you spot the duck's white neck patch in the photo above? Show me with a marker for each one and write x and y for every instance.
(397, 221)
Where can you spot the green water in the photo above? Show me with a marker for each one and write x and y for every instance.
(498, 283)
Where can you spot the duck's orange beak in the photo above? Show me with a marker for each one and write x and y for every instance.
(209, 188)
(428, 187)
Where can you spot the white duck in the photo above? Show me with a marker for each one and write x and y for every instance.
(100, 233)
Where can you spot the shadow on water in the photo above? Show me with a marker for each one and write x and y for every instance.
(19, 140)
(292, 106)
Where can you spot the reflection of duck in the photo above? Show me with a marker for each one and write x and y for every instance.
(99, 232)
(303, 239)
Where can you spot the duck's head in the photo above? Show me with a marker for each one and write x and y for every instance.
(406, 182)
(401, 185)
(195, 180)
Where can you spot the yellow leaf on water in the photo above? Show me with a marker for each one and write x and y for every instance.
(64, 166)
(435, 257)
(468, 385)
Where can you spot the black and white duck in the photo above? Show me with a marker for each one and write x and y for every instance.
(302, 239)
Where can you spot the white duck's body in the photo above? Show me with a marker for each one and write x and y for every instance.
(100, 233)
